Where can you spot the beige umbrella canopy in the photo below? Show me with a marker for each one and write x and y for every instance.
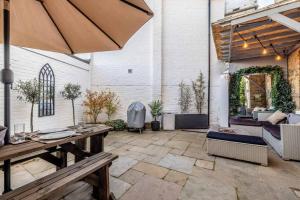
(75, 26)
(66, 26)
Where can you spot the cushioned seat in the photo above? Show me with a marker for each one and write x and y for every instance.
(244, 121)
(274, 130)
(236, 138)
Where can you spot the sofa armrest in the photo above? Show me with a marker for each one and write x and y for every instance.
(290, 136)
(263, 116)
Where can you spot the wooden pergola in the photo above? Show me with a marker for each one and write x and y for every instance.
(273, 30)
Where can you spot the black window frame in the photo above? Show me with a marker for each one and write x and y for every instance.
(46, 104)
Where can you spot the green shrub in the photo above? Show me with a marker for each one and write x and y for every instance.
(118, 124)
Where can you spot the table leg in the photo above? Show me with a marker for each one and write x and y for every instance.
(63, 157)
(96, 146)
(7, 176)
(81, 144)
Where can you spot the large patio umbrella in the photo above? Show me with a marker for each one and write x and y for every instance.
(66, 26)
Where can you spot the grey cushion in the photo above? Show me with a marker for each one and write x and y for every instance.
(293, 118)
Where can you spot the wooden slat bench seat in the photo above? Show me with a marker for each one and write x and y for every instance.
(51, 186)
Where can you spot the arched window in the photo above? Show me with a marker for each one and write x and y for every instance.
(47, 86)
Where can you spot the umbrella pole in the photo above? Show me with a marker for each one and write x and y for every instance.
(7, 80)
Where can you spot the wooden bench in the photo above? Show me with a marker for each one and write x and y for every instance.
(94, 170)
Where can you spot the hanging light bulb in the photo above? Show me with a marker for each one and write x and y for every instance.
(264, 51)
(245, 45)
(278, 57)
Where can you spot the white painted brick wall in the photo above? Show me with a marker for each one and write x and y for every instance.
(231, 5)
(26, 65)
(170, 48)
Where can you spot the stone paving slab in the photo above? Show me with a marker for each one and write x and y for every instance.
(150, 188)
(181, 145)
(132, 176)
(178, 163)
(205, 164)
(176, 177)
(121, 165)
(150, 169)
(207, 188)
(118, 187)
(140, 142)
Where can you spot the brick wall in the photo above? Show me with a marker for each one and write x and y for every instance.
(294, 75)
(26, 65)
(234, 6)
(257, 90)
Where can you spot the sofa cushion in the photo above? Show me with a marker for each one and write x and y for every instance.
(293, 118)
(277, 117)
(274, 130)
(236, 138)
(244, 121)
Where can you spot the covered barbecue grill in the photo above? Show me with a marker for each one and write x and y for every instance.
(136, 115)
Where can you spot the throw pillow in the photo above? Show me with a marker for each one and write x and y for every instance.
(276, 117)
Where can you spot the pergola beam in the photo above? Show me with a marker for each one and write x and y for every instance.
(286, 21)
(266, 13)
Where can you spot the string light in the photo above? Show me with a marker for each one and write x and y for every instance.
(245, 45)
(278, 57)
(264, 51)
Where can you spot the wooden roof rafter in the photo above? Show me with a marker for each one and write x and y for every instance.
(276, 24)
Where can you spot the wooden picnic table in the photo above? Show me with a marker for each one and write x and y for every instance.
(74, 145)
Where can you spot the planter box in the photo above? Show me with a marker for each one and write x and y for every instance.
(191, 121)
(168, 121)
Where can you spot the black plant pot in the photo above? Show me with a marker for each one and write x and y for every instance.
(155, 126)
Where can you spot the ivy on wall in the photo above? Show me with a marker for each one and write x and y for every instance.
(281, 93)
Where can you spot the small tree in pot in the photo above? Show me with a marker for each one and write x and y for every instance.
(95, 103)
(112, 104)
(29, 92)
(71, 92)
(156, 111)
(199, 92)
(185, 98)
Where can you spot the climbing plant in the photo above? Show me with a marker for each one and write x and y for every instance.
(281, 90)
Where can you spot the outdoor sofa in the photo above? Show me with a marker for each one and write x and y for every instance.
(240, 147)
(253, 125)
(284, 138)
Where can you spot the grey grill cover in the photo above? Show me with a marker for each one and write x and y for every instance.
(136, 115)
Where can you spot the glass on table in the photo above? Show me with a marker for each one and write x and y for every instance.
(19, 132)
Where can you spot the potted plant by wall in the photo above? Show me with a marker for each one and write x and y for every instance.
(72, 92)
(187, 120)
(112, 104)
(29, 92)
(94, 103)
(156, 111)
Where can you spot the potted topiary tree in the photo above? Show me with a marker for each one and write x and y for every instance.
(156, 111)
(72, 92)
(29, 92)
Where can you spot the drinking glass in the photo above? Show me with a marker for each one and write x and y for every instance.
(19, 130)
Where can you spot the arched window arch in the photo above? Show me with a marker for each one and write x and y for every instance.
(47, 86)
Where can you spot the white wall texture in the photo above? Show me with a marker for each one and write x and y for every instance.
(170, 48)
(26, 65)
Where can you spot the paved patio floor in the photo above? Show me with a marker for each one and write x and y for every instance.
(174, 166)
